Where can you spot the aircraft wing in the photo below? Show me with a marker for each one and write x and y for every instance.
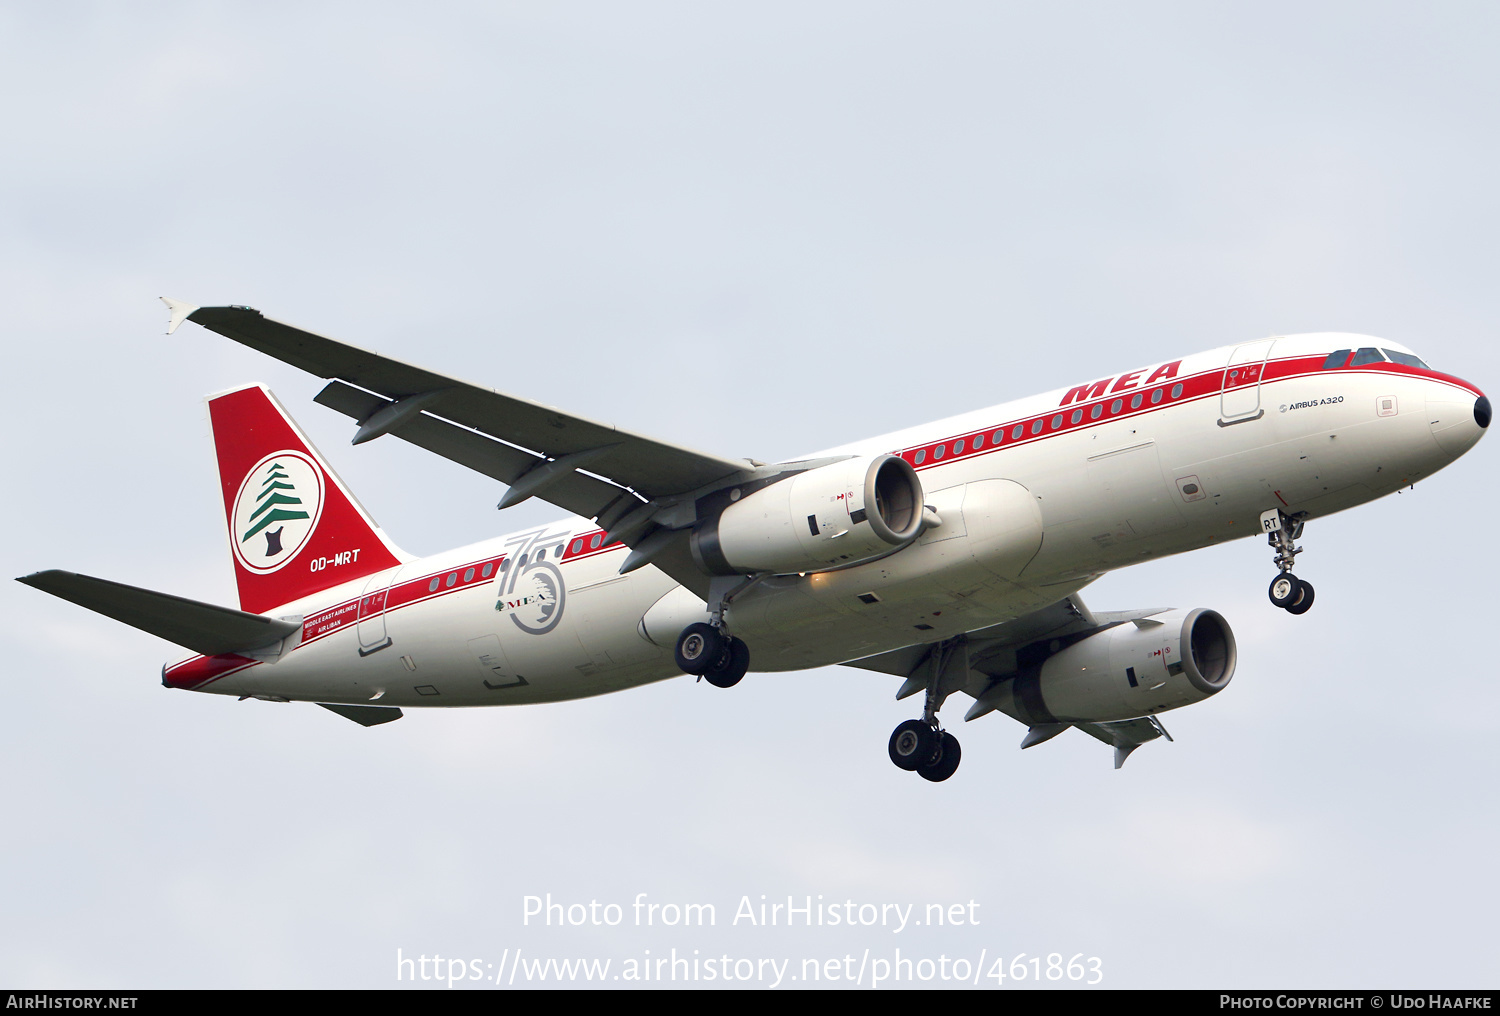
(978, 661)
(992, 650)
(999, 651)
(512, 439)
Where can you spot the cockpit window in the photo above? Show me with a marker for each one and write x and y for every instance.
(1366, 354)
(1405, 358)
(1337, 359)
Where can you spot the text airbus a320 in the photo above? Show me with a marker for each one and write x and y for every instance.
(949, 555)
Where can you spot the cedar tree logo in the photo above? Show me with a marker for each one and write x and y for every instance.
(276, 510)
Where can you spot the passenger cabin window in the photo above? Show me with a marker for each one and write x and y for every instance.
(1406, 359)
(1337, 359)
(1366, 354)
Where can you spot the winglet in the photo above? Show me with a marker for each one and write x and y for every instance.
(180, 312)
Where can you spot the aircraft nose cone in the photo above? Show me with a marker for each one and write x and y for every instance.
(1457, 420)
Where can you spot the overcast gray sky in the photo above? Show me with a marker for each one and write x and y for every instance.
(758, 229)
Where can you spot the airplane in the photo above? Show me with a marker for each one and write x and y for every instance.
(949, 555)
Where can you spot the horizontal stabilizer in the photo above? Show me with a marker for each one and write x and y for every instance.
(365, 716)
(202, 627)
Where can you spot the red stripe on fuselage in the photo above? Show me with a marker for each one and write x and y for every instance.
(201, 670)
(1194, 387)
(588, 545)
(429, 586)
(198, 671)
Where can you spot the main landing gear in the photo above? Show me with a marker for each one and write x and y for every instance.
(712, 654)
(705, 648)
(925, 749)
(922, 746)
(1287, 591)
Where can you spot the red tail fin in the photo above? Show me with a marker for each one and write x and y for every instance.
(293, 526)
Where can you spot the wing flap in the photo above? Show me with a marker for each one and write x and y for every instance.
(993, 658)
(202, 627)
(574, 492)
(1124, 736)
(992, 647)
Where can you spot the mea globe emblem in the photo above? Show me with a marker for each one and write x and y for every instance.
(533, 598)
(276, 510)
(531, 589)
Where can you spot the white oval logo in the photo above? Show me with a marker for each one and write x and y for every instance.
(276, 510)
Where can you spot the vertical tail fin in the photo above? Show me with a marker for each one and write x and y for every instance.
(294, 528)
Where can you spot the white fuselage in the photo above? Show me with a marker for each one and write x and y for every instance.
(1159, 461)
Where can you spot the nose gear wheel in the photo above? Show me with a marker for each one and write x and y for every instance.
(1304, 601)
(1284, 589)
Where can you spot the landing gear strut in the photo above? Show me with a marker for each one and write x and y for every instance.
(1287, 591)
(923, 746)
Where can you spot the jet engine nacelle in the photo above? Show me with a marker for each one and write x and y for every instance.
(834, 515)
(1133, 669)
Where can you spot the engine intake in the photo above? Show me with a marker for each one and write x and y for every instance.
(834, 515)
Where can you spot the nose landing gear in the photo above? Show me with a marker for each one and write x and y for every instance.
(1287, 591)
